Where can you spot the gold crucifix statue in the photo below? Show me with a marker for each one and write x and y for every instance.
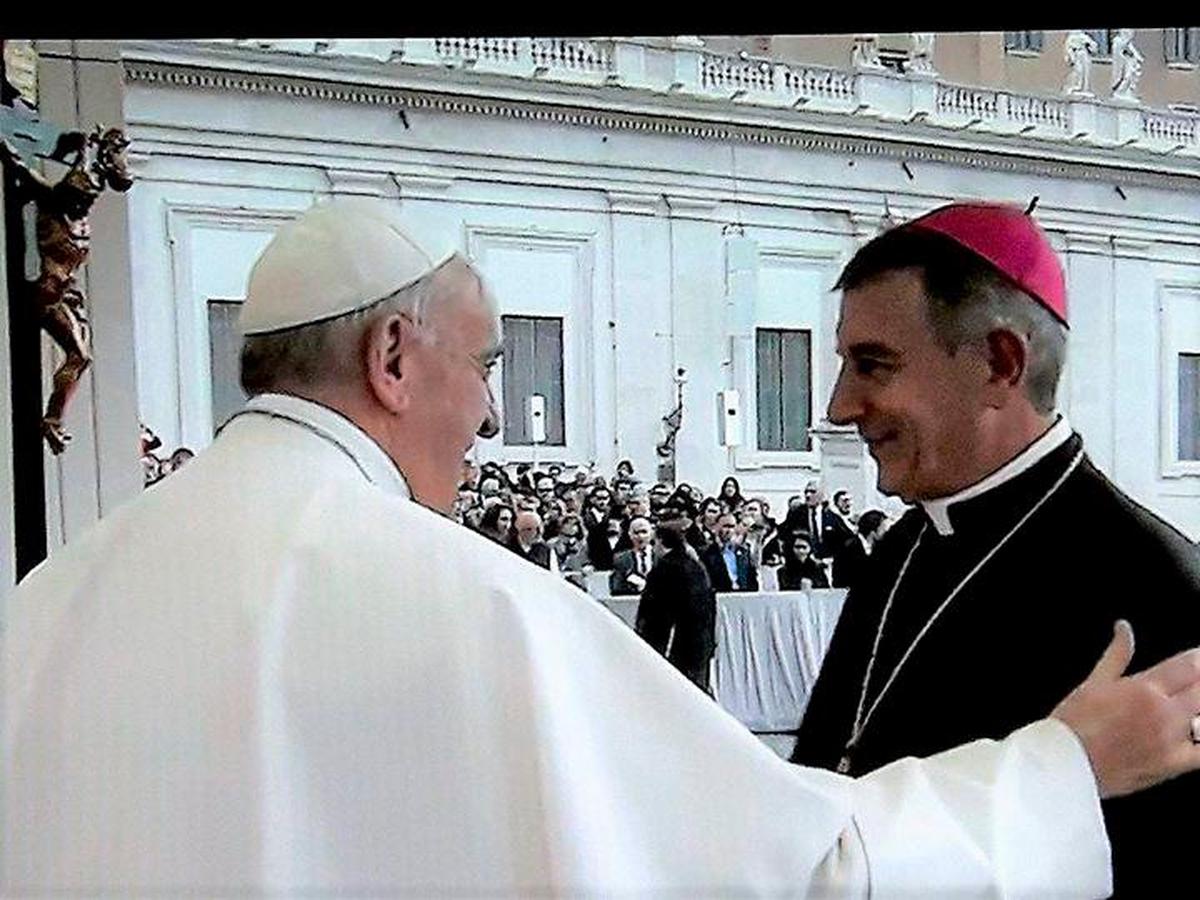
(96, 161)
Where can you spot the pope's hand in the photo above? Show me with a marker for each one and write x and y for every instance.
(1137, 730)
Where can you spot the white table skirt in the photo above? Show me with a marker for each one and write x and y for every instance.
(770, 647)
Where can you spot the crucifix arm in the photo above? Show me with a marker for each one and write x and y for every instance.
(28, 181)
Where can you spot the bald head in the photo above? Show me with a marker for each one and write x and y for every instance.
(641, 532)
(528, 526)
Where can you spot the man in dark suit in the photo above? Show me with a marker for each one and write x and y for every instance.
(823, 527)
(596, 522)
(729, 565)
(678, 605)
(602, 543)
(843, 528)
(630, 567)
(621, 492)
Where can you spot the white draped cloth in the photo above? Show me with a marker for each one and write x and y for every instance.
(275, 672)
(770, 647)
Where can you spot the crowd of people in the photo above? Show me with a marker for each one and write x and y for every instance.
(674, 548)
(575, 520)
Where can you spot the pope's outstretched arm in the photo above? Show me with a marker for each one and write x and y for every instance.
(1022, 813)
(691, 801)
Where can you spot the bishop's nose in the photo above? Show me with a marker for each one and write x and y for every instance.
(845, 407)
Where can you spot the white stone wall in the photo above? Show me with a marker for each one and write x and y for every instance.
(623, 230)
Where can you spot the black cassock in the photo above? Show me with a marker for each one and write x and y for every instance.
(678, 605)
(1023, 632)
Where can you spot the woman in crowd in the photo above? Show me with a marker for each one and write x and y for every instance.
(569, 545)
(731, 495)
(799, 565)
(758, 526)
(497, 522)
(553, 514)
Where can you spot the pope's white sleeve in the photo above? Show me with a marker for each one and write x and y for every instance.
(1019, 817)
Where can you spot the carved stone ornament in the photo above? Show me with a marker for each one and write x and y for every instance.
(1127, 66)
(1078, 50)
(64, 237)
(672, 422)
(20, 72)
(865, 52)
(921, 61)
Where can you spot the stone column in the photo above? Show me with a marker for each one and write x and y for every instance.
(8, 560)
(843, 462)
(644, 390)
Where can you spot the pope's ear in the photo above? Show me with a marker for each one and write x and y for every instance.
(1007, 356)
(388, 347)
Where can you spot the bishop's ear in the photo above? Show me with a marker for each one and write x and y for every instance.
(1007, 358)
(389, 343)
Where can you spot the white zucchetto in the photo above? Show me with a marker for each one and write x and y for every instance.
(339, 256)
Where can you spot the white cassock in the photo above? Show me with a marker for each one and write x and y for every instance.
(275, 672)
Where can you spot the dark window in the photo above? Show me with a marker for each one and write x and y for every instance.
(784, 363)
(1189, 406)
(1181, 45)
(225, 349)
(533, 364)
(1103, 41)
(1024, 41)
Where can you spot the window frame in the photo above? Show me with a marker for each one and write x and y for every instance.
(825, 255)
(1104, 46)
(505, 369)
(1028, 46)
(234, 304)
(1180, 356)
(1190, 40)
(1179, 316)
(759, 331)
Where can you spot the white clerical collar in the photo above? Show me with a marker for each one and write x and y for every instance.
(334, 427)
(939, 510)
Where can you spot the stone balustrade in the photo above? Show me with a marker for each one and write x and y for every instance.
(690, 72)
